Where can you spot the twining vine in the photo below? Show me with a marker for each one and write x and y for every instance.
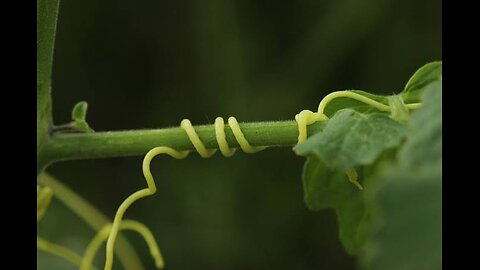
(346, 141)
(110, 231)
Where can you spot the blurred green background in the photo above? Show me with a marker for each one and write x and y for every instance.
(149, 64)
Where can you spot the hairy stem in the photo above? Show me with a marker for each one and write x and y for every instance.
(139, 142)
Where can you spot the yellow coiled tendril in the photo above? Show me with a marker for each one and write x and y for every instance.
(303, 119)
(307, 117)
(151, 187)
(44, 197)
(125, 225)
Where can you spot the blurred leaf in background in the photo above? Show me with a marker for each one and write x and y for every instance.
(409, 232)
(149, 64)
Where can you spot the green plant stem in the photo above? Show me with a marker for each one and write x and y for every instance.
(139, 142)
(47, 13)
(126, 253)
(59, 251)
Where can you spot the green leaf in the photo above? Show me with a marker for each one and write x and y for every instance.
(428, 76)
(408, 233)
(351, 139)
(79, 113)
(409, 236)
(348, 140)
(344, 102)
(424, 144)
(47, 11)
(325, 188)
(401, 201)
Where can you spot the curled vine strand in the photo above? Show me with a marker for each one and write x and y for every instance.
(152, 188)
(102, 235)
(303, 119)
(307, 117)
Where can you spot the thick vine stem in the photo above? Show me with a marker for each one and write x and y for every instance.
(137, 142)
(77, 146)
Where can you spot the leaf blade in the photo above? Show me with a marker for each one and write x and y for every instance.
(421, 80)
(410, 200)
(79, 115)
(351, 139)
(324, 188)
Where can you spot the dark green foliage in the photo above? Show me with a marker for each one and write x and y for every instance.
(428, 76)
(408, 233)
(396, 220)
(351, 139)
